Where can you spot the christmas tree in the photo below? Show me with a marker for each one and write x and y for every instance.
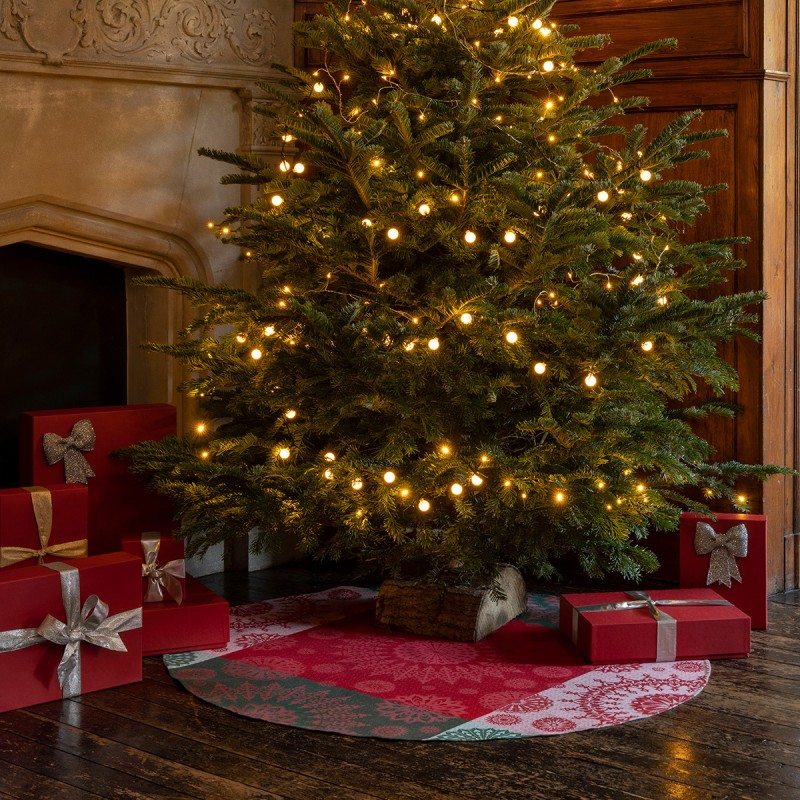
(477, 336)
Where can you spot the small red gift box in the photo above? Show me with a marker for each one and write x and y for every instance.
(201, 622)
(636, 627)
(78, 443)
(41, 610)
(729, 549)
(163, 566)
(43, 523)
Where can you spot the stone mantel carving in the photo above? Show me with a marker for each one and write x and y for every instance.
(235, 36)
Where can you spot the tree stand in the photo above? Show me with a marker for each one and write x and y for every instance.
(462, 615)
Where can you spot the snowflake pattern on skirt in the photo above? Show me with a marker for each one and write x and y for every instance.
(319, 662)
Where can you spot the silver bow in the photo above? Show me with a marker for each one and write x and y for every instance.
(68, 448)
(667, 626)
(725, 548)
(160, 578)
(89, 623)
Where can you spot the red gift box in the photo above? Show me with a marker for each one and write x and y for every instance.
(630, 633)
(29, 675)
(163, 566)
(119, 501)
(730, 545)
(201, 622)
(47, 522)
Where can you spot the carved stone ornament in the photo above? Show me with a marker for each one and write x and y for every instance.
(222, 32)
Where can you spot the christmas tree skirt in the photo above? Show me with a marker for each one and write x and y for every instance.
(320, 662)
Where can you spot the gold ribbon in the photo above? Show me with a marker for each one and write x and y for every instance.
(725, 548)
(667, 626)
(68, 448)
(88, 623)
(42, 503)
(161, 578)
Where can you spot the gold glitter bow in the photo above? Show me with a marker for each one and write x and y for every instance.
(725, 548)
(68, 448)
(42, 503)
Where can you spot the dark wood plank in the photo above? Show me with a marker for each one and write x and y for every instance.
(25, 784)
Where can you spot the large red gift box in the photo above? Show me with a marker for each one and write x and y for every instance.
(119, 501)
(627, 635)
(29, 594)
(163, 565)
(50, 521)
(730, 545)
(201, 622)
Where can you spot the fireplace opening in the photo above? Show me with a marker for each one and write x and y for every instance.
(64, 338)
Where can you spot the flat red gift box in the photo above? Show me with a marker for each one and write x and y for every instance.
(749, 595)
(169, 550)
(119, 501)
(201, 622)
(19, 529)
(28, 594)
(628, 636)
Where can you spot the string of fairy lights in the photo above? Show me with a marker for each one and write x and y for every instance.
(476, 482)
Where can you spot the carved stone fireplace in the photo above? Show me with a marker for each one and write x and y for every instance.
(104, 106)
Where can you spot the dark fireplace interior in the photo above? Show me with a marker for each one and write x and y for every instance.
(63, 340)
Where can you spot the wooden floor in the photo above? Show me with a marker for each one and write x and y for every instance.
(739, 739)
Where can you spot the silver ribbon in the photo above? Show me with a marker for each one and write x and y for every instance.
(88, 623)
(68, 448)
(667, 626)
(725, 548)
(161, 578)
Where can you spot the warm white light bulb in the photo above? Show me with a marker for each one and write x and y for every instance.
(210, 225)
(276, 200)
(513, 22)
(328, 474)
(433, 344)
(647, 346)
(287, 137)
(285, 166)
(638, 280)
(204, 454)
(456, 489)
(408, 346)
(269, 331)
(560, 497)
(201, 427)
(548, 66)
(590, 380)
(466, 318)
(601, 484)
(510, 237)
(540, 367)
(470, 237)
(319, 87)
(645, 175)
(299, 167)
(284, 453)
(290, 413)
(436, 19)
(357, 484)
(367, 223)
(455, 197)
(424, 209)
(241, 338)
(537, 23)
(255, 354)
(389, 476)
(393, 233)
(424, 505)
(512, 337)
(476, 480)
(330, 456)
(662, 301)
(602, 196)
